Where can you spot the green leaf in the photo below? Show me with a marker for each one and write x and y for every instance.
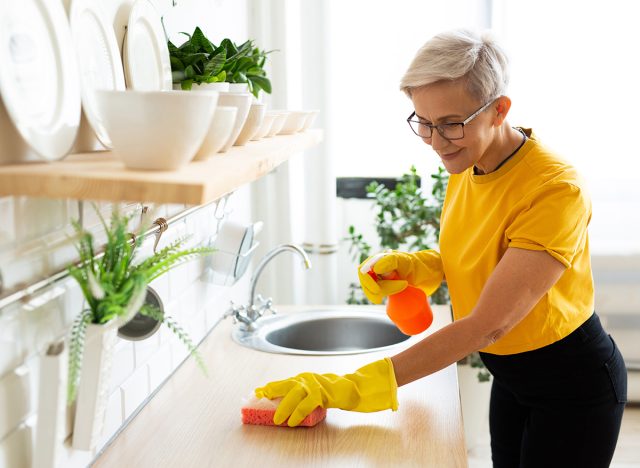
(189, 72)
(176, 64)
(262, 82)
(229, 46)
(244, 64)
(239, 77)
(200, 42)
(173, 50)
(186, 85)
(215, 64)
(256, 71)
(191, 59)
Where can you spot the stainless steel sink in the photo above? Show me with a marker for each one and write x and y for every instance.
(322, 332)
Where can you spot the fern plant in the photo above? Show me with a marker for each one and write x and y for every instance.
(115, 286)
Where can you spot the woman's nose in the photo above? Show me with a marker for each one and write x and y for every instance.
(438, 141)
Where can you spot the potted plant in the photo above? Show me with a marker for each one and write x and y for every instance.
(409, 219)
(114, 285)
(245, 66)
(198, 62)
(406, 218)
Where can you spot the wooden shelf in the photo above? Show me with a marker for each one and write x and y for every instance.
(99, 176)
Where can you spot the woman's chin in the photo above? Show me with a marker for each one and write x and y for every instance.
(454, 167)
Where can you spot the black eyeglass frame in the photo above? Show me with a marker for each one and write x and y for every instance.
(440, 127)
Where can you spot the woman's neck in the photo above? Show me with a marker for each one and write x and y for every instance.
(507, 142)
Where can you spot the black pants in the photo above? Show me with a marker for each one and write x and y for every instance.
(558, 406)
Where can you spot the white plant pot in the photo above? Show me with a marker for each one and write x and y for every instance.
(474, 398)
(93, 388)
(239, 88)
(221, 87)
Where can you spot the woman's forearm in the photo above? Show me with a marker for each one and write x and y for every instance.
(437, 351)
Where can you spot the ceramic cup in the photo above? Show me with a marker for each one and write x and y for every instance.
(308, 121)
(294, 123)
(243, 102)
(219, 132)
(278, 121)
(267, 122)
(252, 124)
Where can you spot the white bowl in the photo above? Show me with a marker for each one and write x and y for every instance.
(294, 123)
(278, 122)
(243, 102)
(221, 126)
(252, 124)
(311, 116)
(156, 130)
(267, 122)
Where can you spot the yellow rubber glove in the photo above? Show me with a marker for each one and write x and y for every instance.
(370, 388)
(422, 269)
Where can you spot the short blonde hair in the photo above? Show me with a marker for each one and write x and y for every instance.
(460, 54)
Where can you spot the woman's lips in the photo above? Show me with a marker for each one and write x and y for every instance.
(450, 156)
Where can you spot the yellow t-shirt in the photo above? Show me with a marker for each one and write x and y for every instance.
(534, 201)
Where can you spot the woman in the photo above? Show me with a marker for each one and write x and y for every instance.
(515, 252)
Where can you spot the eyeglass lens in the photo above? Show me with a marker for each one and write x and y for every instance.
(452, 131)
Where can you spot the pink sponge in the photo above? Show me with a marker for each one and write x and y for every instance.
(260, 411)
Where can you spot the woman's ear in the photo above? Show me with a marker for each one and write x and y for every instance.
(501, 106)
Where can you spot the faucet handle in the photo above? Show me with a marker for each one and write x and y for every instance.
(233, 311)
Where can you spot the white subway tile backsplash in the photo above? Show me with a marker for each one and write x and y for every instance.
(36, 217)
(11, 343)
(90, 210)
(179, 351)
(26, 329)
(161, 286)
(146, 348)
(135, 390)
(74, 302)
(15, 396)
(15, 449)
(159, 367)
(123, 363)
(178, 282)
(42, 318)
(7, 223)
(173, 209)
(113, 418)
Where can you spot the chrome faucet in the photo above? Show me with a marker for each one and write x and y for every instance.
(249, 314)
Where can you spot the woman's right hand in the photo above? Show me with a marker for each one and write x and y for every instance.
(422, 269)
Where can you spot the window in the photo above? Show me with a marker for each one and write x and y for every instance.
(574, 80)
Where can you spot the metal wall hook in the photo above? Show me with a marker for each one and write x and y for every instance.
(162, 227)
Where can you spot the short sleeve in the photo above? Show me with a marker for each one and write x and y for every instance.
(554, 218)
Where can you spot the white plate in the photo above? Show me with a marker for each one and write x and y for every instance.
(38, 75)
(147, 66)
(98, 59)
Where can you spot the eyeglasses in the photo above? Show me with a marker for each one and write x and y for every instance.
(448, 131)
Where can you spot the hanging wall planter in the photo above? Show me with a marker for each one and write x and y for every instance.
(93, 388)
(115, 287)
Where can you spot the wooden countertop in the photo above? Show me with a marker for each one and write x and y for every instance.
(194, 421)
